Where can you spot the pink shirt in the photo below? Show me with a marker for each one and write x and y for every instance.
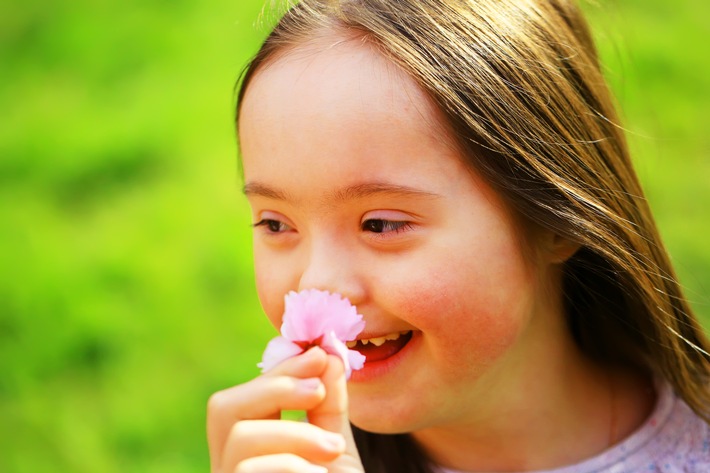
(672, 440)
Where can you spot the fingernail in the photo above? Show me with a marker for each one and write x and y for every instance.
(333, 442)
(309, 384)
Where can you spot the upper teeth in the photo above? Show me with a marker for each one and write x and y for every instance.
(378, 341)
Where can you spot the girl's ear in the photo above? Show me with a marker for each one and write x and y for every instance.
(558, 249)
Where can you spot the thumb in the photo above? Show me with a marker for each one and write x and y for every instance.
(332, 413)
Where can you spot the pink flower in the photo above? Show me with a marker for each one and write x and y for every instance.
(316, 318)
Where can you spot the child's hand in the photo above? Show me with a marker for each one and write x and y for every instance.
(246, 435)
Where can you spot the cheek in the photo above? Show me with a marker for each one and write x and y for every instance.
(467, 317)
(270, 288)
(470, 316)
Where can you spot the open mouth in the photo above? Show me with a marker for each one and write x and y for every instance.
(380, 348)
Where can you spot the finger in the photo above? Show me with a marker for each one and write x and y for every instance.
(254, 438)
(280, 463)
(264, 397)
(271, 390)
(261, 398)
(311, 363)
(332, 413)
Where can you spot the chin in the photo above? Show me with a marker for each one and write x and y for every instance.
(386, 419)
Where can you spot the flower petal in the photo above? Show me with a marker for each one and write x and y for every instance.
(278, 350)
(313, 317)
(356, 359)
(352, 359)
(311, 313)
(301, 322)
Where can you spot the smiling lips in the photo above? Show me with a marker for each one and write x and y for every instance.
(380, 348)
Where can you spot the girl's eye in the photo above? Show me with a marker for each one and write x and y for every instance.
(273, 226)
(377, 225)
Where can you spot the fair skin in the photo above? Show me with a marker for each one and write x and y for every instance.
(356, 188)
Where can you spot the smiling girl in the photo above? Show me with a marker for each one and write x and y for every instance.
(455, 169)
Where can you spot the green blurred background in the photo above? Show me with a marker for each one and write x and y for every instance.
(126, 293)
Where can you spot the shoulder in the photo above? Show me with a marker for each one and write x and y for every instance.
(673, 439)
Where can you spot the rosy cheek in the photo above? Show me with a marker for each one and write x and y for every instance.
(466, 325)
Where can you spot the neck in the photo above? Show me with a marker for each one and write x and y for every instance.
(550, 418)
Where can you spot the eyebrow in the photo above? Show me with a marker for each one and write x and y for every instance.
(357, 191)
(261, 190)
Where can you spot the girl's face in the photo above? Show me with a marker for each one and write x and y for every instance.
(355, 188)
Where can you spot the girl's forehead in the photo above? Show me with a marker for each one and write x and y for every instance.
(335, 70)
(342, 113)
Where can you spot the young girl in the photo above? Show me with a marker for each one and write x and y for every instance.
(455, 169)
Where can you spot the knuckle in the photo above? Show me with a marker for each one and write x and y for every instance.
(248, 465)
(278, 463)
(240, 431)
(217, 402)
(243, 467)
(283, 385)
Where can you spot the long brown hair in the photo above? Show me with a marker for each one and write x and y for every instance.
(519, 83)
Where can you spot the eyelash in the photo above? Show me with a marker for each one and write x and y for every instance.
(385, 226)
(378, 226)
(273, 226)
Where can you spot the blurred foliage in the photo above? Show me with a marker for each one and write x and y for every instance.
(656, 62)
(126, 292)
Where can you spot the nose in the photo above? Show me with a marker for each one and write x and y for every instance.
(332, 268)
